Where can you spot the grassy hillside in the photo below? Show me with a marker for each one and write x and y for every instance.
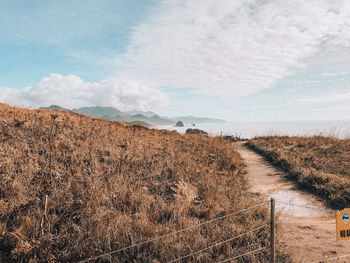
(320, 164)
(73, 187)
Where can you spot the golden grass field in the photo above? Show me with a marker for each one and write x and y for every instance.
(319, 164)
(74, 187)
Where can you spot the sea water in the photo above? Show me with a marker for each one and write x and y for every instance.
(340, 129)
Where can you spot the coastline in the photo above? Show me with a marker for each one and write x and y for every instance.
(339, 129)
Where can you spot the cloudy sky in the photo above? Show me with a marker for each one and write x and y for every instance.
(240, 60)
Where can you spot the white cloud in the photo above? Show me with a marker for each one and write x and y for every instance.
(72, 92)
(218, 48)
(232, 47)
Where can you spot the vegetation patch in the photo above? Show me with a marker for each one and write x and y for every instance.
(319, 164)
(74, 187)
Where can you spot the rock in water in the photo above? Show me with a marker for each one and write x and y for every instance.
(179, 124)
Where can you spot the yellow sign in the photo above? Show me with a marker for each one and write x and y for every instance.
(343, 224)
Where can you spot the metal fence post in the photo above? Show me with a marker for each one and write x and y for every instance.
(272, 232)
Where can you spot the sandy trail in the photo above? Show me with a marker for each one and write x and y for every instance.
(307, 226)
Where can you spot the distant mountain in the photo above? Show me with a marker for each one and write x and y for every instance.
(53, 107)
(148, 114)
(139, 116)
(161, 120)
(99, 112)
(154, 120)
(149, 117)
(192, 119)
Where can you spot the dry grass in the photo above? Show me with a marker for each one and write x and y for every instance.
(73, 187)
(320, 164)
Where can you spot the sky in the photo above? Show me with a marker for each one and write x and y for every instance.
(242, 60)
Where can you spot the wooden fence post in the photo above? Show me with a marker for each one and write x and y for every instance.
(272, 232)
(2, 257)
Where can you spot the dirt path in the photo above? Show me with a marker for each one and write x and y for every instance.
(306, 225)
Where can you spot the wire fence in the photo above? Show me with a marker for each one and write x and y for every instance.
(250, 250)
(190, 228)
(245, 254)
(218, 244)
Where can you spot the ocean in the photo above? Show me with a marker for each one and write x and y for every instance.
(340, 129)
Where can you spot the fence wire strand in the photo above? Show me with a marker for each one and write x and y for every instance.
(284, 207)
(218, 244)
(242, 255)
(173, 233)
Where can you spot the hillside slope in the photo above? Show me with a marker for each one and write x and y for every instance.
(319, 164)
(74, 187)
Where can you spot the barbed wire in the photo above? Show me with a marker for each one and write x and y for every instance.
(173, 233)
(261, 203)
(218, 244)
(286, 205)
(242, 255)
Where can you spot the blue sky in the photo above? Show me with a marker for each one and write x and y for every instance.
(244, 60)
(67, 37)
